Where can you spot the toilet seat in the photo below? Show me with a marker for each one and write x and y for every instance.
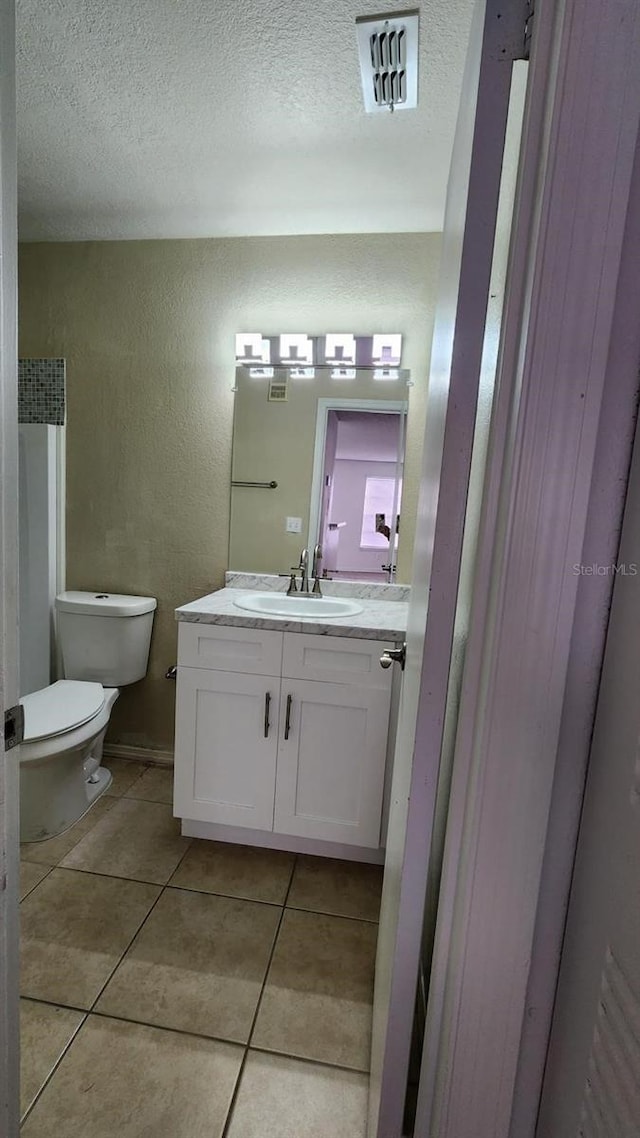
(62, 707)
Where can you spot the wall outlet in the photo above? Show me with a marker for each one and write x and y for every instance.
(293, 525)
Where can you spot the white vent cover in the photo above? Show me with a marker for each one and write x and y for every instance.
(278, 392)
(388, 47)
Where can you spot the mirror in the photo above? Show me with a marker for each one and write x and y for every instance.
(332, 442)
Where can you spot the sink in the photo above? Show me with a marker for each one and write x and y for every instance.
(279, 604)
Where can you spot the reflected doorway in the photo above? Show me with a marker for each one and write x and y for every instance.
(359, 490)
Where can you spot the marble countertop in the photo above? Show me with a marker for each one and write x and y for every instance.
(379, 619)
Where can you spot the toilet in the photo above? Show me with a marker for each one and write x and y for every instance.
(104, 641)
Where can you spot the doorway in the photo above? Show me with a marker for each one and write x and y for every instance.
(357, 487)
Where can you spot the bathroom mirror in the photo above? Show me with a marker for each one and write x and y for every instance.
(318, 456)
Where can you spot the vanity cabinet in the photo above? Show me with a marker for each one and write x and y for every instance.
(282, 733)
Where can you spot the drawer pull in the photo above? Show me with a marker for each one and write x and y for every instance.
(287, 725)
(267, 705)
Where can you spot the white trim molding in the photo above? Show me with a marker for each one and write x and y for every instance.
(580, 140)
(9, 689)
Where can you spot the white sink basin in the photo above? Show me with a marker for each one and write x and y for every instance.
(279, 604)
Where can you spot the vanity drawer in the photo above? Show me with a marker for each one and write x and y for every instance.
(254, 651)
(335, 659)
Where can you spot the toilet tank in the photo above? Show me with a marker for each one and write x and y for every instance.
(104, 637)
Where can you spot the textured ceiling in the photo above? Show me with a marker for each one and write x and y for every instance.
(192, 118)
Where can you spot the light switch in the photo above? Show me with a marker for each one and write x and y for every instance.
(293, 525)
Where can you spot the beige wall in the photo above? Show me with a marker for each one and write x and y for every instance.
(147, 329)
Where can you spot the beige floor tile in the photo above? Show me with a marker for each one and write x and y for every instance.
(237, 871)
(137, 839)
(155, 785)
(45, 1031)
(124, 772)
(75, 927)
(286, 1098)
(30, 875)
(134, 1081)
(319, 991)
(197, 965)
(344, 888)
(54, 850)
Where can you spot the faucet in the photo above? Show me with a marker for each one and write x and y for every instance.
(304, 570)
(315, 572)
(305, 591)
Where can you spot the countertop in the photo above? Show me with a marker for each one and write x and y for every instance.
(379, 619)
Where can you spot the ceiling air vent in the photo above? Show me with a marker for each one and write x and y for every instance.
(278, 390)
(388, 47)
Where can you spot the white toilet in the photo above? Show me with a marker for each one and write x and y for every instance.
(104, 640)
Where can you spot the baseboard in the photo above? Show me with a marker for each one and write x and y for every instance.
(138, 754)
(216, 831)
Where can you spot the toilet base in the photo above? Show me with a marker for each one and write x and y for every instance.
(61, 776)
(98, 781)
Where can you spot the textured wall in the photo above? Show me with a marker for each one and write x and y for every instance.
(147, 330)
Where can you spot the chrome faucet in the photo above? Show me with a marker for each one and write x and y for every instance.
(315, 572)
(304, 572)
(305, 591)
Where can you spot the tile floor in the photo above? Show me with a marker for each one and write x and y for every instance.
(188, 989)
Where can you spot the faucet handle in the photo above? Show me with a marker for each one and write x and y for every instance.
(293, 587)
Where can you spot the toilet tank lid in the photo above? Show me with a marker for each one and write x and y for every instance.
(104, 604)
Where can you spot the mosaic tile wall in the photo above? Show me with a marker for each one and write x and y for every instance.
(41, 396)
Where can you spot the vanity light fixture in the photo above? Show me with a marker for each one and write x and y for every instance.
(386, 373)
(296, 349)
(388, 50)
(303, 356)
(340, 348)
(252, 348)
(387, 350)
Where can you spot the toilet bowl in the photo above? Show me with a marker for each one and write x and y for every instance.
(104, 640)
(60, 778)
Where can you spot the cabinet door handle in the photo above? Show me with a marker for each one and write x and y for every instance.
(267, 705)
(287, 724)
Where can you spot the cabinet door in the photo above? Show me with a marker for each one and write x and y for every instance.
(226, 743)
(331, 761)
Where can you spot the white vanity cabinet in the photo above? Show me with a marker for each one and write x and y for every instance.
(283, 734)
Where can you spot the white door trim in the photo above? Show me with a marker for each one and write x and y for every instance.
(9, 769)
(608, 492)
(580, 140)
(377, 406)
(432, 669)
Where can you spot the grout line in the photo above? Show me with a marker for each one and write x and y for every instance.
(208, 892)
(129, 945)
(74, 1035)
(30, 891)
(107, 876)
(328, 913)
(54, 1003)
(243, 1064)
(311, 1062)
(85, 1014)
(164, 1027)
(137, 932)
